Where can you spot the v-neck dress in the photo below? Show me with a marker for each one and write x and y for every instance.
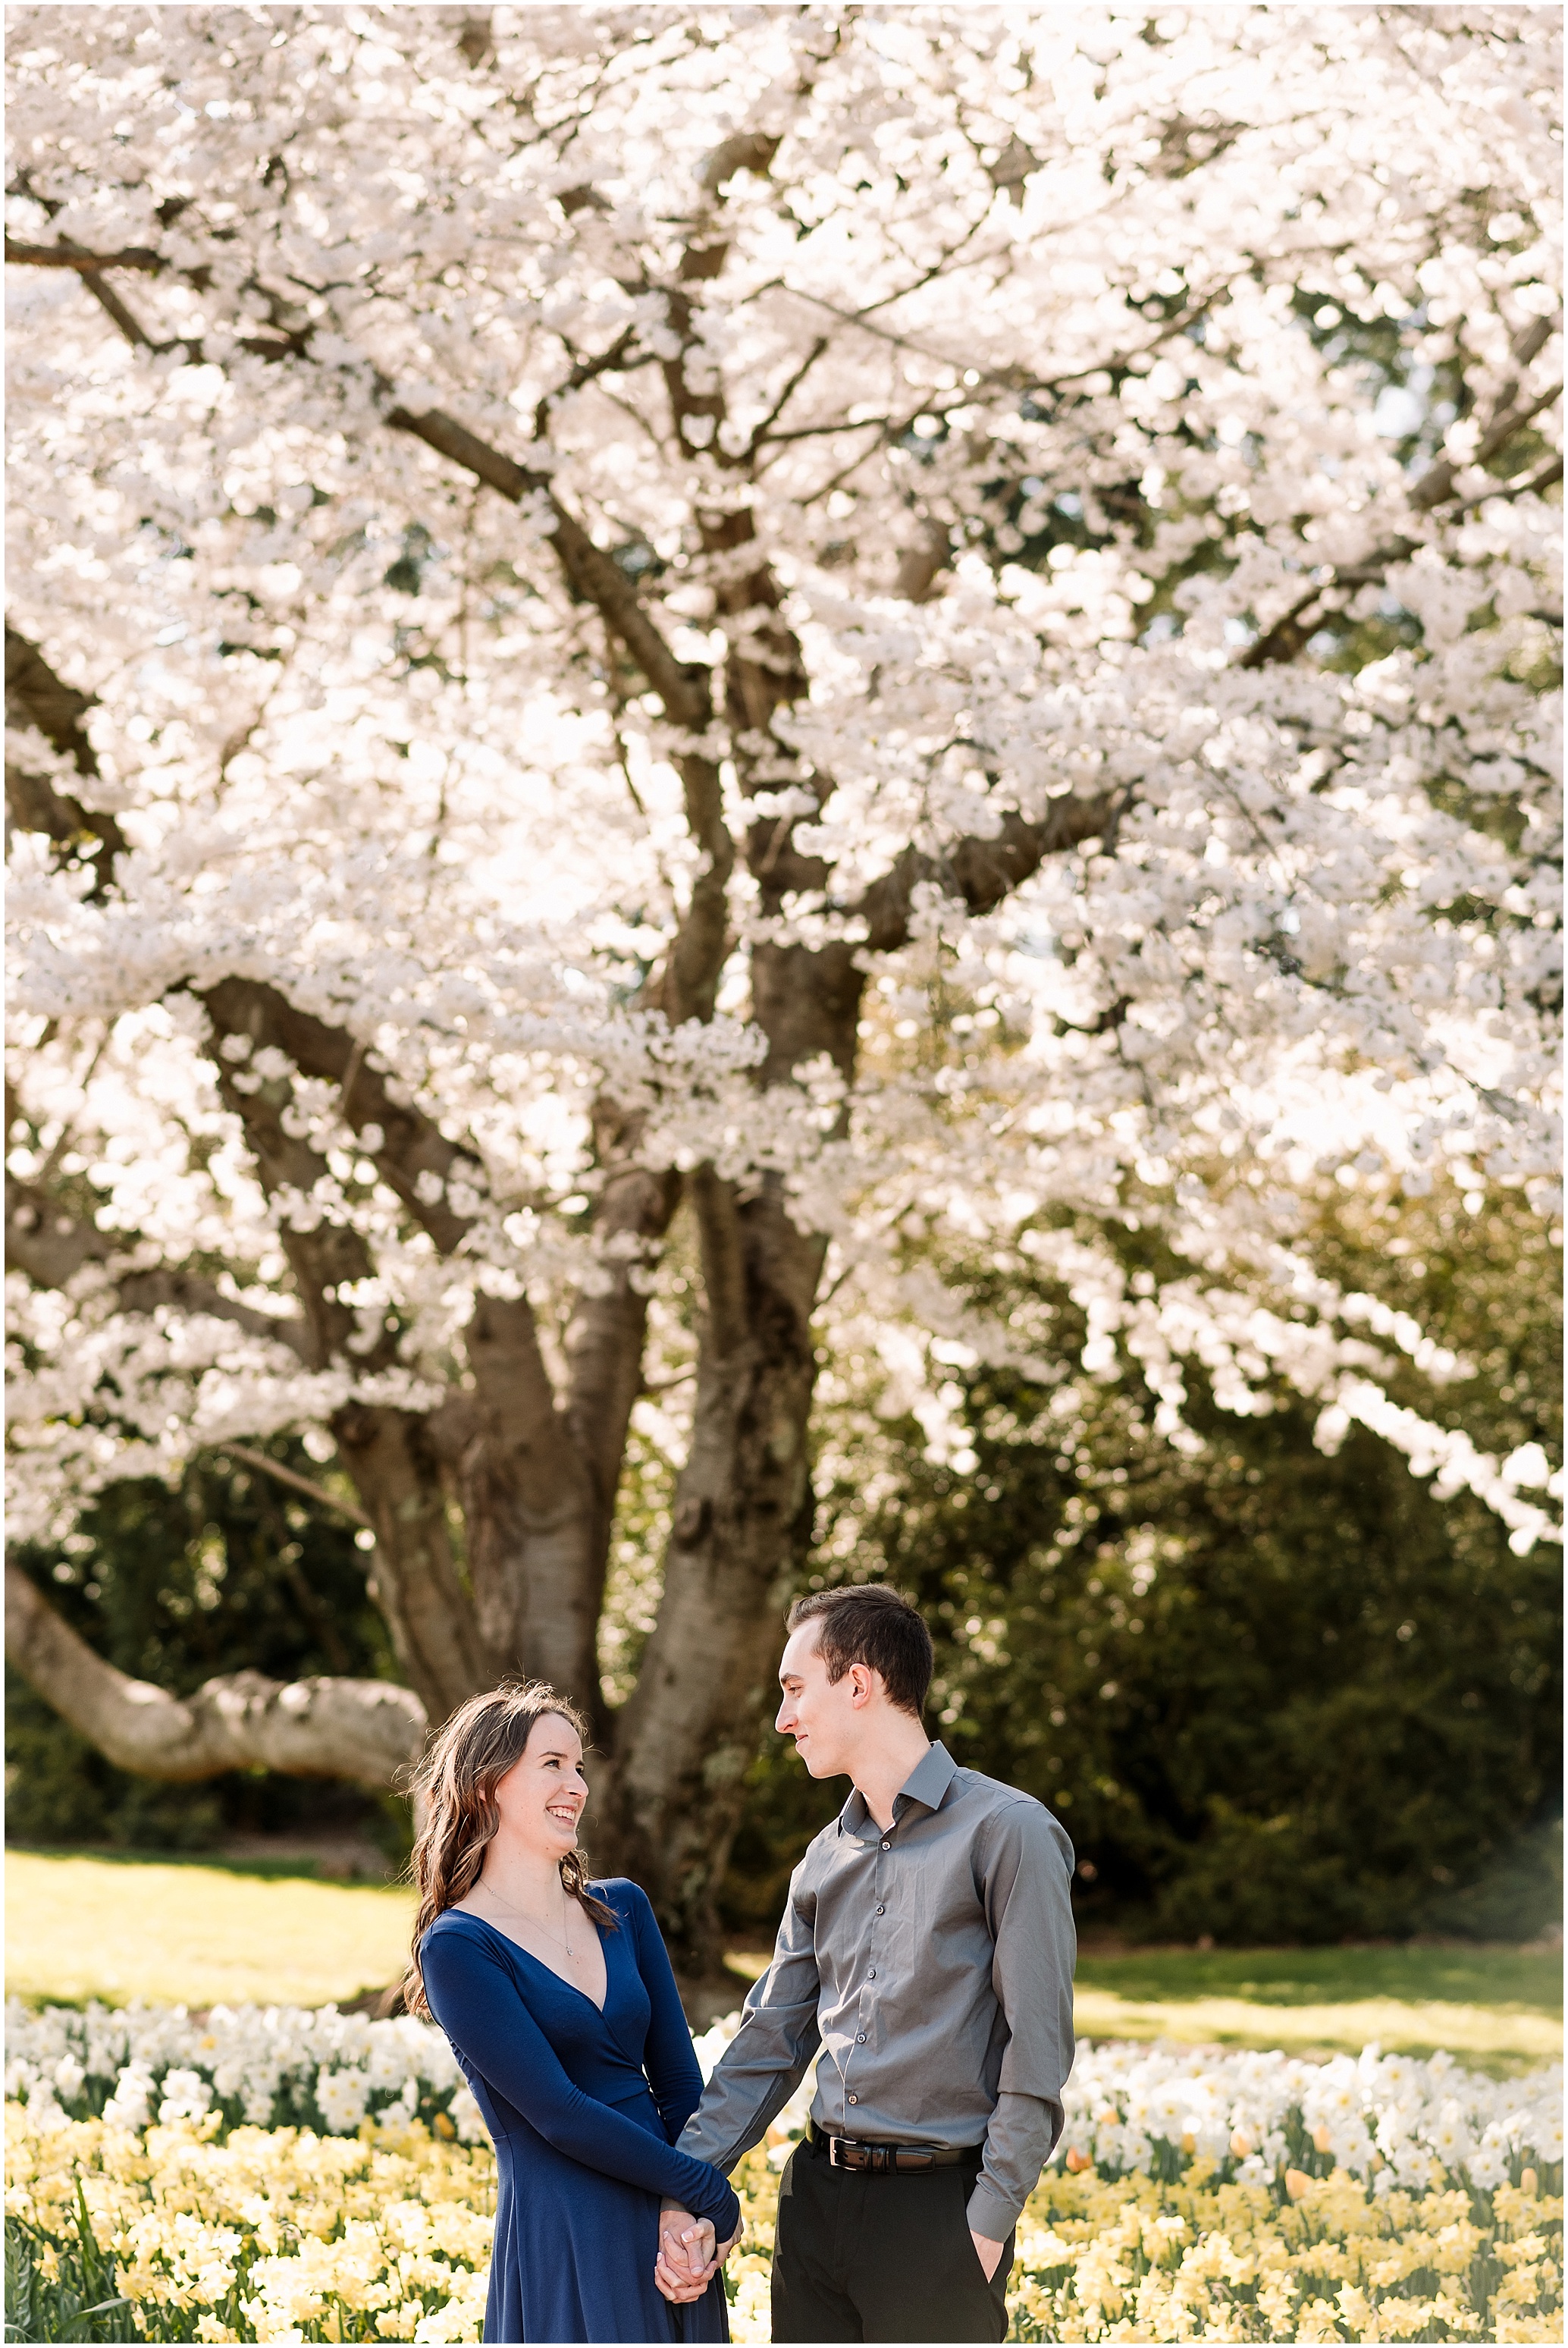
(584, 2108)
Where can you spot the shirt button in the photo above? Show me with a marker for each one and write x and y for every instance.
(860, 2041)
(872, 1974)
(881, 1907)
(854, 2099)
(887, 1845)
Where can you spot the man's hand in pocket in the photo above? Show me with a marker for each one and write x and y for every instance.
(987, 2251)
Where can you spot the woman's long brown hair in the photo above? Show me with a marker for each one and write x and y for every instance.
(454, 1790)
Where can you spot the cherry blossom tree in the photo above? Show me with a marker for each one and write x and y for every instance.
(670, 665)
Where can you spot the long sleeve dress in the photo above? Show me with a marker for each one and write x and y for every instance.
(584, 2108)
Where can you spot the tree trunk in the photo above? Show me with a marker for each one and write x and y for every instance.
(414, 1575)
(742, 1524)
(366, 1729)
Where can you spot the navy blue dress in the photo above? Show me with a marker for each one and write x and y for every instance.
(584, 2108)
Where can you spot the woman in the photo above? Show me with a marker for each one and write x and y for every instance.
(562, 2008)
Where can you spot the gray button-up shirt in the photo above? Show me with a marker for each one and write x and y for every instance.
(933, 1964)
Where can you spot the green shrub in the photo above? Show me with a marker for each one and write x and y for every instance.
(227, 1572)
(1274, 1695)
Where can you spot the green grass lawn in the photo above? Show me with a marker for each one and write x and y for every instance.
(1498, 2009)
(191, 1933)
(1523, 1981)
(195, 1932)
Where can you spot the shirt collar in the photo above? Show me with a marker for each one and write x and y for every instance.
(927, 1784)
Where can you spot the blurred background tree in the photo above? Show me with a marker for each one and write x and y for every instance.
(1275, 1694)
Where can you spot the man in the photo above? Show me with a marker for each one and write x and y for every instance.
(928, 1948)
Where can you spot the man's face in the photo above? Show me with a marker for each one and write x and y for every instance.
(824, 1716)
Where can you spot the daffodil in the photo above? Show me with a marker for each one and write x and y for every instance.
(377, 2225)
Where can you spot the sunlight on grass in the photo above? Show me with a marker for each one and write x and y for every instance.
(1485, 2038)
(1498, 2009)
(1509, 1978)
(194, 1935)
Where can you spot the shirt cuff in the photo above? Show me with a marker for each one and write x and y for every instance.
(989, 2214)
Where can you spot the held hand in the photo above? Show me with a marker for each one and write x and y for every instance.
(685, 2264)
(684, 2240)
(987, 2251)
(686, 2244)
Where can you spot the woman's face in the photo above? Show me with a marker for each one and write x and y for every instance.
(544, 1792)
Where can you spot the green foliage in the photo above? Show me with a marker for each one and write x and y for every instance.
(63, 2287)
(1274, 1695)
(229, 1573)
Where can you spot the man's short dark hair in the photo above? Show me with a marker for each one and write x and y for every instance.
(869, 1623)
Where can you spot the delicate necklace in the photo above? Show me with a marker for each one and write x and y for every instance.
(522, 1916)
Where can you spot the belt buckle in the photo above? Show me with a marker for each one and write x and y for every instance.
(875, 2159)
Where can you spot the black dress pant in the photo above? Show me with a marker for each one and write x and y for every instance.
(865, 2257)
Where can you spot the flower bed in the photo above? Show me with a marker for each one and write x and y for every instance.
(271, 2234)
(294, 2175)
(260, 2066)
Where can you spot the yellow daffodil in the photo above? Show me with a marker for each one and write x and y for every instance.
(284, 2235)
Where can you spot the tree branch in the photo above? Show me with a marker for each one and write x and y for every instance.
(526, 1494)
(724, 1286)
(145, 1291)
(528, 1504)
(765, 431)
(594, 573)
(139, 257)
(1285, 635)
(388, 1452)
(612, 361)
(36, 699)
(51, 1247)
(364, 1729)
(1523, 485)
(302, 1484)
(696, 956)
(393, 1457)
(125, 318)
(981, 871)
(412, 1147)
(605, 1341)
(1438, 485)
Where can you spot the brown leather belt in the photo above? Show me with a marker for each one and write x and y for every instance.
(889, 2160)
